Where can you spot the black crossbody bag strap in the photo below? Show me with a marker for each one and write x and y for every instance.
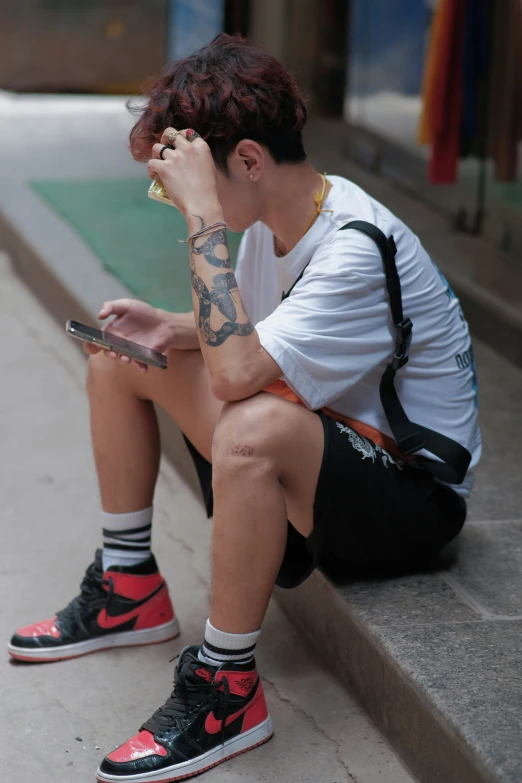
(410, 437)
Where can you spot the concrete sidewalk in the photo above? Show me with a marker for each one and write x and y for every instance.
(57, 720)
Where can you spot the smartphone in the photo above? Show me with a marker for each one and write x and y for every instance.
(114, 343)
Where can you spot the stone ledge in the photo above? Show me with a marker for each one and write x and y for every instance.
(432, 657)
(404, 715)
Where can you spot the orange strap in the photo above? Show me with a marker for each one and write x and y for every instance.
(384, 441)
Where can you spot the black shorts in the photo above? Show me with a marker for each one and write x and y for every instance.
(371, 511)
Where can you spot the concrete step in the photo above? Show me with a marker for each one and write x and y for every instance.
(433, 657)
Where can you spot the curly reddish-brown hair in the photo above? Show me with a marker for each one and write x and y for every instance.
(229, 90)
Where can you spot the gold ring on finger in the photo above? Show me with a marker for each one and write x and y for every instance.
(171, 138)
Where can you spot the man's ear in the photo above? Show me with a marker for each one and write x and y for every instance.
(251, 158)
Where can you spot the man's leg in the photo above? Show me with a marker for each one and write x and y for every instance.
(126, 440)
(124, 427)
(124, 599)
(267, 455)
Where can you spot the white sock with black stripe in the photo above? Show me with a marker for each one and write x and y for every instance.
(219, 647)
(126, 538)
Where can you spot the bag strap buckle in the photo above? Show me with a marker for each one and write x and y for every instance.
(402, 344)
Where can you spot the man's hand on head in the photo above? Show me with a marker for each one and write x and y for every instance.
(187, 172)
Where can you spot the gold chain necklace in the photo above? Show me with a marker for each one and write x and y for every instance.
(319, 201)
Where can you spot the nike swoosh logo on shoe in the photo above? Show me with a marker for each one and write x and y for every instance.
(107, 621)
(212, 725)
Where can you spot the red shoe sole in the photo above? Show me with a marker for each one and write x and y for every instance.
(115, 641)
(186, 775)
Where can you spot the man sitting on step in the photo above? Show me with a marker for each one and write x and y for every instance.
(283, 380)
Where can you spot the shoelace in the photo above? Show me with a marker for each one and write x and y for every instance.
(188, 696)
(91, 589)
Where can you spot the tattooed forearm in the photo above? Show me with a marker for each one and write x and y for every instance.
(206, 298)
(223, 292)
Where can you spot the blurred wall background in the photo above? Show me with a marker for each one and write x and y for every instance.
(81, 45)
(112, 46)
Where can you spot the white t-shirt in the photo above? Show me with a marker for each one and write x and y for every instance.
(334, 335)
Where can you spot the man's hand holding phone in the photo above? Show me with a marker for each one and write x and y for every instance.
(145, 325)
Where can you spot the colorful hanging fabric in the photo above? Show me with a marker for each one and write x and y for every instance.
(439, 24)
(474, 62)
(448, 90)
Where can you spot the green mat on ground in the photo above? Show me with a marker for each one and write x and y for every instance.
(135, 238)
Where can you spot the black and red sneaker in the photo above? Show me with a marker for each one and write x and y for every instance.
(213, 714)
(122, 607)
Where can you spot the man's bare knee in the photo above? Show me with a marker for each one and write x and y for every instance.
(249, 429)
(103, 372)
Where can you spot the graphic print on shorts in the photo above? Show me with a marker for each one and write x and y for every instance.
(367, 448)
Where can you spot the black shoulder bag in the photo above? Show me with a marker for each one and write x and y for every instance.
(410, 437)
